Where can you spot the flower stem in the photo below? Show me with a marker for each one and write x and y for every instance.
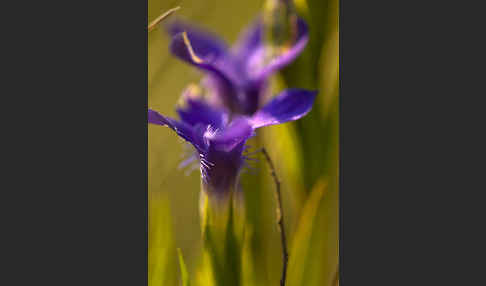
(279, 217)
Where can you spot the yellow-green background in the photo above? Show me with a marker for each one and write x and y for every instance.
(305, 152)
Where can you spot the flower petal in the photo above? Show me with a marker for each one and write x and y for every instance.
(237, 132)
(205, 44)
(249, 41)
(220, 68)
(289, 105)
(221, 163)
(183, 130)
(286, 57)
(196, 111)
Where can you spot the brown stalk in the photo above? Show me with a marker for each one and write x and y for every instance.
(279, 217)
(154, 23)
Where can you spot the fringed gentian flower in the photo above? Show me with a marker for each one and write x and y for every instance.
(238, 76)
(219, 141)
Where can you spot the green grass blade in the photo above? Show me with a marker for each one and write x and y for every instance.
(184, 273)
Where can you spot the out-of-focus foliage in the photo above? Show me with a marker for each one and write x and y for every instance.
(305, 152)
(182, 264)
(161, 244)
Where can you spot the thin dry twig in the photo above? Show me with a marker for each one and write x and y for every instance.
(154, 23)
(279, 217)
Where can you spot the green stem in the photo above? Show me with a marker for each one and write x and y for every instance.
(220, 239)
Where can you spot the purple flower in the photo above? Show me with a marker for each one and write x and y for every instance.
(219, 141)
(239, 75)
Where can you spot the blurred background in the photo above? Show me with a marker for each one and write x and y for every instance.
(306, 154)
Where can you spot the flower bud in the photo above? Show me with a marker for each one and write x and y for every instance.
(280, 22)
